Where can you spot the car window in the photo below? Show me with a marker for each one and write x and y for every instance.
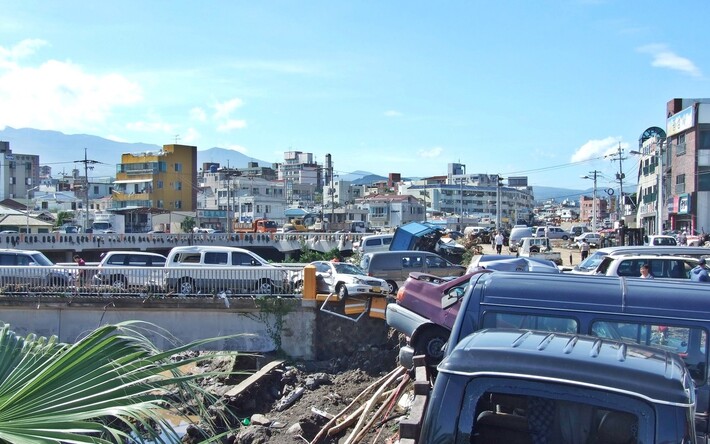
(386, 241)
(157, 261)
(216, 258)
(412, 261)
(689, 343)
(527, 321)
(23, 259)
(188, 258)
(137, 260)
(116, 259)
(322, 268)
(372, 242)
(435, 262)
(243, 259)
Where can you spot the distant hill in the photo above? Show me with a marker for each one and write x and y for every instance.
(61, 151)
(559, 194)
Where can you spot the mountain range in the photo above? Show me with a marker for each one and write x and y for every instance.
(63, 152)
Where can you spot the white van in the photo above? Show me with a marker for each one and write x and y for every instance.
(375, 242)
(516, 234)
(210, 270)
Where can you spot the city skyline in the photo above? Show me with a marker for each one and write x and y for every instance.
(517, 89)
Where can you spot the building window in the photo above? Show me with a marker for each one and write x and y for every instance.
(160, 203)
(178, 204)
(178, 186)
(178, 167)
(680, 184)
(13, 180)
(160, 184)
(680, 145)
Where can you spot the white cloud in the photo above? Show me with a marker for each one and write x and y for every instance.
(191, 136)
(430, 153)
(231, 124)
(224, 109)
(597, 148)
(198, 114)
(58, 95)
(665, 58)
(392, 113)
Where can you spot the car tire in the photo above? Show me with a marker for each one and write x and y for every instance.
(393, 287)
(265, 286)
(119, 283)
(342, 291)
(298, 287)
(430, 343)
(565, 237)
(186, 286)
(534, 249)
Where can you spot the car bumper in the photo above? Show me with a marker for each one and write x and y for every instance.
(367, 289)
(404, 320)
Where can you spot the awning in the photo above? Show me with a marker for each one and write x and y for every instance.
(133, 181)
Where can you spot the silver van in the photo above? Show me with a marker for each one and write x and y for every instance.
(395, 266)
(375, 242)
(516, 234)
(590, 264)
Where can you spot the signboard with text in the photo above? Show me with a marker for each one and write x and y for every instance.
(681, 121)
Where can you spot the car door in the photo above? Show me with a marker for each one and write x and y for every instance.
(324, 277)
(437, 265)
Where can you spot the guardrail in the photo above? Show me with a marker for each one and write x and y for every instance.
(220, 281)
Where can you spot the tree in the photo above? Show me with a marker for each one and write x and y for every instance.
(64, 217)
(188, 224)
(110, 384)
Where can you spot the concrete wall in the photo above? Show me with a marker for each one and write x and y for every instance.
(187, 320)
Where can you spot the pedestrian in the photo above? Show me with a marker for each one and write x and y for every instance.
(646, 272)
(683, 238)
(584, 249)
(82, 273)
(499, 242)
(700, 272)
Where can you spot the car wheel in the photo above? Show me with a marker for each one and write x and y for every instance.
(186, 286)
(298, 287)
(565, 237)
(120, 283)
(534, 250)
(430, 343)
(342, 291)
(393, 287)
(56, 281)
(265, 286)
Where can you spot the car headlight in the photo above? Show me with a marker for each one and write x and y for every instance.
(358, 281)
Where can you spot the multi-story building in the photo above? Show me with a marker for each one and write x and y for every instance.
(299, 168)
(227, 194)
(19, 173)
(165, 180)
(686, 181)
(390, 210)
(587, 205)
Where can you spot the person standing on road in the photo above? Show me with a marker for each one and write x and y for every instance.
(646, 272)
(700, 272)
(499, 242)
(584, 249)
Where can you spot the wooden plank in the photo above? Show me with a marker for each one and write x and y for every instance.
(265, 371)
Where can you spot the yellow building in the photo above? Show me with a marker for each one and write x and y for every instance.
(166, 179)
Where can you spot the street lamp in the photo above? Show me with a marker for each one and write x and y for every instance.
(27, 212)
(594, 198)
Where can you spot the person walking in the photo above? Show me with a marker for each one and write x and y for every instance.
(700, 272)
(646, 272)
(584, 249)
(82, 273)
(499, 242)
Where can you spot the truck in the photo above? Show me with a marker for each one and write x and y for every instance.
(108, 223)
(540, 248)
(523, 386)
(257, 226)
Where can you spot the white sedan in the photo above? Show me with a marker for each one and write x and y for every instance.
(593, 239)
(344, 279)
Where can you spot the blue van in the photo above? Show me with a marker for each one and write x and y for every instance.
(672, 315)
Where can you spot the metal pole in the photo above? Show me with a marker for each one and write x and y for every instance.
(594, 204)
(659, 204)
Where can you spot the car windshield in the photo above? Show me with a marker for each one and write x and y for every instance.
(348, 269)
(41, 259)
(592, 262)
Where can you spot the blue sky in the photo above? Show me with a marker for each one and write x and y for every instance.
(537, 88)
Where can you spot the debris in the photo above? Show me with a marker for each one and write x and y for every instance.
(321, 413)
(259, 419)
(289, 399)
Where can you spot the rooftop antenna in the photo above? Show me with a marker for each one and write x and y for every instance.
(177, 137)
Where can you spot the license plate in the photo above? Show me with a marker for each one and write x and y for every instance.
(375, 289)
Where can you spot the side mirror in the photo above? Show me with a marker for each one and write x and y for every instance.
(452, 297)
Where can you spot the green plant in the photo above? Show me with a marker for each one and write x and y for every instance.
(64, 217)
(272, 310)
(188, 224)
(110, 384)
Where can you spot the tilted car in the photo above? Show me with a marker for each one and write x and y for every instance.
(23, 267)
(342, 279)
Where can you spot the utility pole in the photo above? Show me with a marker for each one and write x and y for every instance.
(594, 198)
(619, 156)
(499, 202)
(86, 161)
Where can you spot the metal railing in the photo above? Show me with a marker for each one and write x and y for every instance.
(213, 281)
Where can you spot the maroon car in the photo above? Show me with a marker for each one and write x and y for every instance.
(418, 314)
